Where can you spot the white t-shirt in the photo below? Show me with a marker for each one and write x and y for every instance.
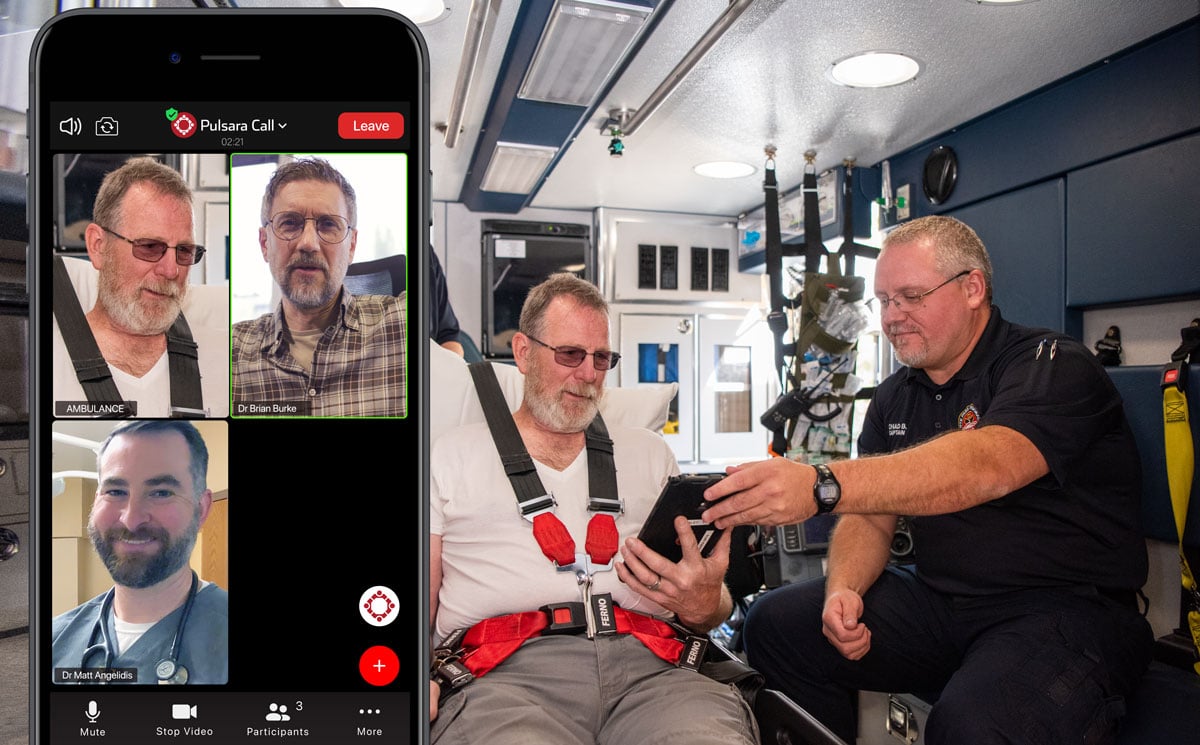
(491, 563)
(152, 391)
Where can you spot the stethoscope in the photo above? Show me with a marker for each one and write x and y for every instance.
(167, 670)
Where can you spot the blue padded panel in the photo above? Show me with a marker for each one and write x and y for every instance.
(1133, 227)
(1024, 234)
(1139, 387)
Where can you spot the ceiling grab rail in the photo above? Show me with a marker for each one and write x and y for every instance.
(479, 30)
(690, 60)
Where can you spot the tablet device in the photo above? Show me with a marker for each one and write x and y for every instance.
(682, 495)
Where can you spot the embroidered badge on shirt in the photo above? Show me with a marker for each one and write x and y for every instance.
(968, 418)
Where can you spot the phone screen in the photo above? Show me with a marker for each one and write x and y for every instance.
(229, 237)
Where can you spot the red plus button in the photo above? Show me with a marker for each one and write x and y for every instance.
(370, 125)
(379, 666)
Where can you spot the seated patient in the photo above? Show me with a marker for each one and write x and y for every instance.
(486, 561)
(136, 344)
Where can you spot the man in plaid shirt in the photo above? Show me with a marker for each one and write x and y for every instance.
(323, 351)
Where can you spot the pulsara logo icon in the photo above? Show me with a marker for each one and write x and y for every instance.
(183, 124)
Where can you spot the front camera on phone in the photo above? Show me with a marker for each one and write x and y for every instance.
(175, 58)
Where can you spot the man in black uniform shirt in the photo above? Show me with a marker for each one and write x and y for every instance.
(1009, 449)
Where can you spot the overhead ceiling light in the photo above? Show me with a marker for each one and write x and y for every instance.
(417, 11)
(583, 42)
(516, 168)
(724, 169)
(874, 70)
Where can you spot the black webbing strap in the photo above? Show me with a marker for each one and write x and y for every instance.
(849, 248)
(90, 366)
(814, 247)
(776, 318)
(183, 359)
(519, 466)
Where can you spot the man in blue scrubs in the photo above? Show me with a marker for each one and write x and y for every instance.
(159, 623)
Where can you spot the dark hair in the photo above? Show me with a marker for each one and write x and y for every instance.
(309, 169)
(196, 447)
(533, 312)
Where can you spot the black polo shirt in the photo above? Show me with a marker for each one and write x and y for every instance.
(1078, 525)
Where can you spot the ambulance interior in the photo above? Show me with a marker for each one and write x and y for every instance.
(1068, 136)
(577, 134)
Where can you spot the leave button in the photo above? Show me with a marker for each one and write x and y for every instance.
(371, 125)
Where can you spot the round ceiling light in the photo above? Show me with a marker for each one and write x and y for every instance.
(417, 11)
(874, 70)
(724, 169)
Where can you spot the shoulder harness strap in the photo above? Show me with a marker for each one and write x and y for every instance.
(92, 369)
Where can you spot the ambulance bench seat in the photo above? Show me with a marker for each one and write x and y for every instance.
(1166, 706)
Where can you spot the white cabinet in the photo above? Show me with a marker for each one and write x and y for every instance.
(723, 364)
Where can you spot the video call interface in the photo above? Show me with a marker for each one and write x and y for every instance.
(302, 617)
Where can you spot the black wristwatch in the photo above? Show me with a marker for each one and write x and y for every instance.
(827, 492)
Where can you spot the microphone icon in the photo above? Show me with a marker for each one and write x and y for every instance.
(92, 712)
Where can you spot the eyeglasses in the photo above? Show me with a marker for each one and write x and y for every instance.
(907, 302)
(148, 249)
(288, 226)
(574, 356)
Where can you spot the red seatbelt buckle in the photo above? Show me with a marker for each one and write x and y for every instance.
(565, 618)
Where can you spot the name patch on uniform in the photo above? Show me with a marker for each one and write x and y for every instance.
(897, 429)
(968, 418)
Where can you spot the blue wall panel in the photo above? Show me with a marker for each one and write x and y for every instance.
(1133, 226)
(1024, 232)
(1141, 98)
(1139, 387)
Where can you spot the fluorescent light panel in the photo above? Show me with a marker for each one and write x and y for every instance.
(582, 44)
(516, 168)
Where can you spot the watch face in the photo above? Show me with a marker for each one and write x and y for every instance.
(827, 493)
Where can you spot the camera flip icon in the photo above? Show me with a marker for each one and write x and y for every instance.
(107, 126)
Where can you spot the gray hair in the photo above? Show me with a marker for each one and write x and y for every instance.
(956, 246)
(561, 284)
(166, 180)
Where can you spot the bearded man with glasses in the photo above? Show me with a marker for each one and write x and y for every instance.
(323, 351)
(1008, 449)
(134, 352)
(580, 682)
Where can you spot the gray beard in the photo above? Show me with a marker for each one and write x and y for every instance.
(132, 316)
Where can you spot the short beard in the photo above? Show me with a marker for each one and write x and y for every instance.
(138, 572)
(912, 355)
(306, 294)
(548, 407)
(134, 315)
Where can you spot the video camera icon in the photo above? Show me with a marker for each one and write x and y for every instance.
(71, 126)
(107, 126)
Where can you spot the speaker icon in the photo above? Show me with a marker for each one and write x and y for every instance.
(70, 126)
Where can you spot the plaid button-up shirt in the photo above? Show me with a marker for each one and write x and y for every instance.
(358, 367)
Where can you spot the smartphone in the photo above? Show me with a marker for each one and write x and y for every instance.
(682, 495)
(229, 215)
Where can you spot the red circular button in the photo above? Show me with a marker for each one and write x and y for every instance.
(379, 666)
